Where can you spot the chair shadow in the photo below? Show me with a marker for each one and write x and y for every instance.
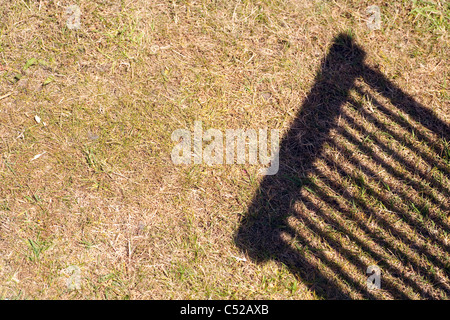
(290, 210)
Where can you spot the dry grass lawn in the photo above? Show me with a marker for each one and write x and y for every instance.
(99, 105)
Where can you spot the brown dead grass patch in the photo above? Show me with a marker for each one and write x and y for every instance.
(105, 196)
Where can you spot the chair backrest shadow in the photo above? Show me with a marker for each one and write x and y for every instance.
(363, 180)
